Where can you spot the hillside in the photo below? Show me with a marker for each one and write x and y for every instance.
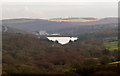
(12, 30)
(90, 55)
(31, 25)
(25, 54)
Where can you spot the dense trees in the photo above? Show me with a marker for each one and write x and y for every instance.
(27, 54)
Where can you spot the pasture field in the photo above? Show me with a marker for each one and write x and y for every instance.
(111, 45)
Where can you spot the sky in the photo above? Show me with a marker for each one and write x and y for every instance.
(59, 0)
(46, 9)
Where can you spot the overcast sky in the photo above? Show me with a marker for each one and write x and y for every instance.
(46, 10)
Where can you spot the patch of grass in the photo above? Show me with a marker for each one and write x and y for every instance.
(111, 45)
(73, 20)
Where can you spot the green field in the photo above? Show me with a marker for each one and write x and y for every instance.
(111, 45)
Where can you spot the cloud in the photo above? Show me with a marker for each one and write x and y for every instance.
(25, 11)
(34, 11)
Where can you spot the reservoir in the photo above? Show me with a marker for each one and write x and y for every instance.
(62, 40)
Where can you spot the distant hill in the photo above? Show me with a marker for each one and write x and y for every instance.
(31, 25)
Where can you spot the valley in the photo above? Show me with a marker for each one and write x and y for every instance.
(51, 47)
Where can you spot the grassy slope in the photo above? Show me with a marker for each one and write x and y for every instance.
(111, 45)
